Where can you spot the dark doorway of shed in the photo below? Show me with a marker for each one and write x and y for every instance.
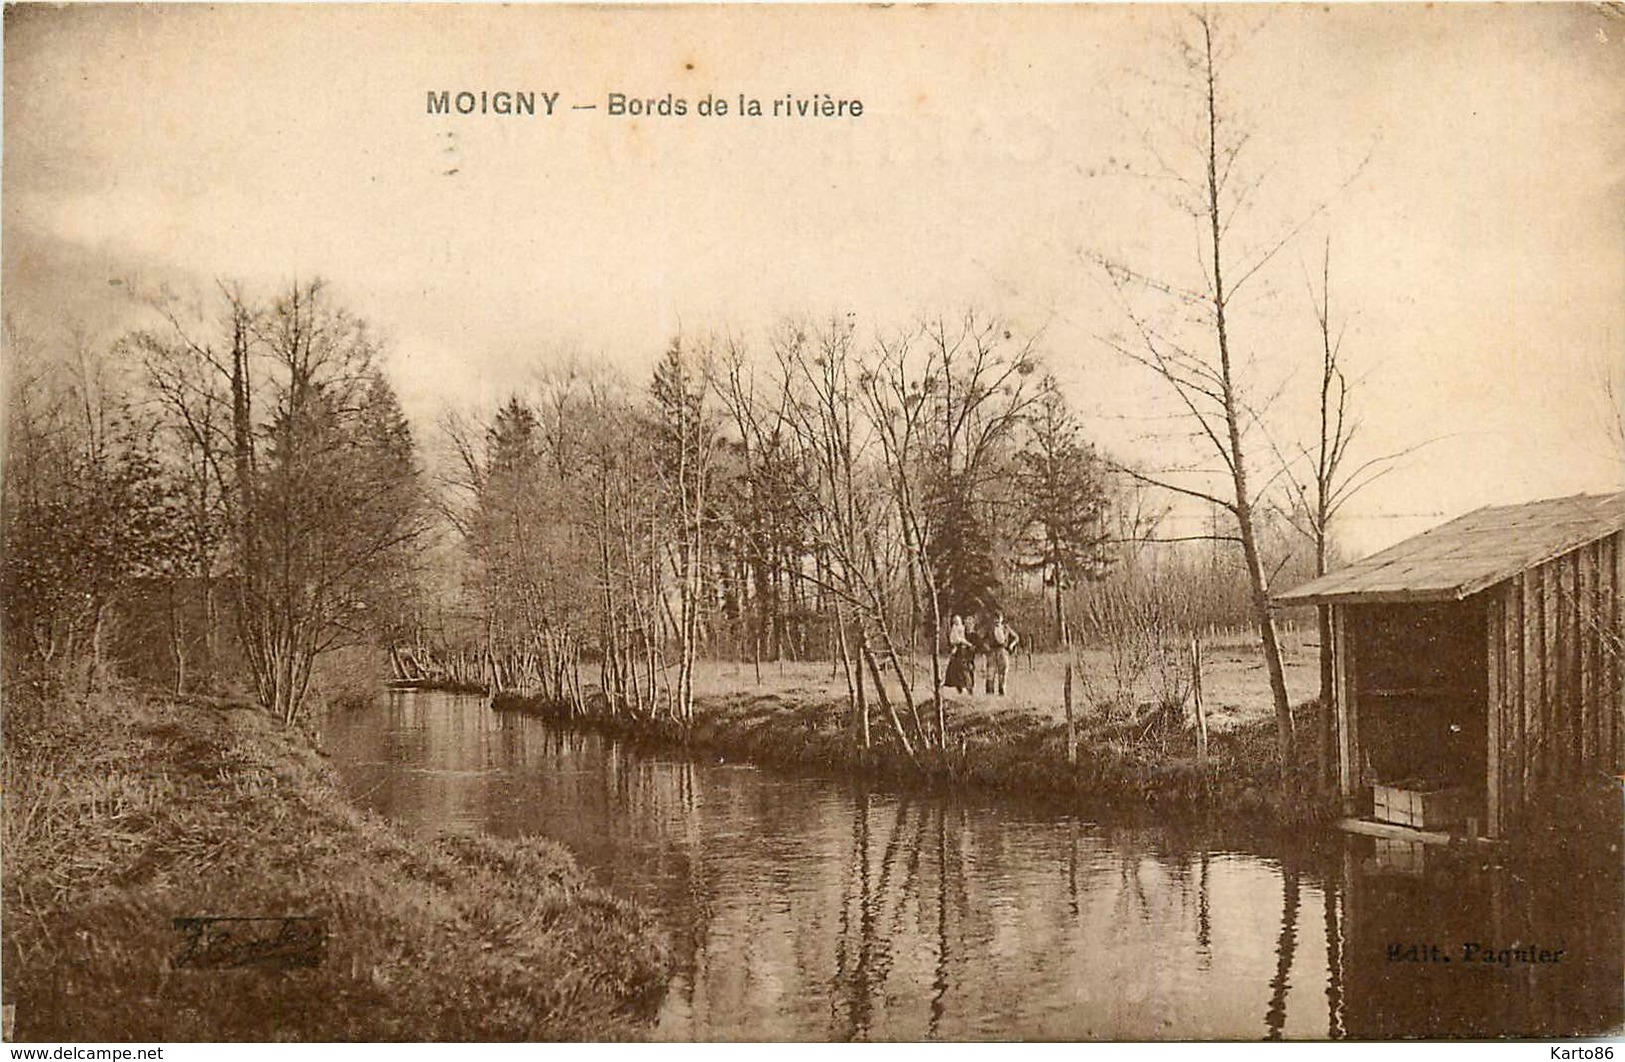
(1422, 696)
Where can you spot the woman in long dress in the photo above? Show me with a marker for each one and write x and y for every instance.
(961, 658)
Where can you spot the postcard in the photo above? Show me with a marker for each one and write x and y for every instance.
(812, 523)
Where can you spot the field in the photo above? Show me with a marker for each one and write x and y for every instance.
(1235, 686)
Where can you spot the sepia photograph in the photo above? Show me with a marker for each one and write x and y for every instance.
(812, 523)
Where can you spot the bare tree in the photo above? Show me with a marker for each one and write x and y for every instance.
(622, 519)
(1319, 493)
(332, 499)
(188, 384)
(1611, 409)
(322, 498)
(769, 527)
(686, 461)
(85, 507)
(849, 510)
(945, 400)
(1206, 378)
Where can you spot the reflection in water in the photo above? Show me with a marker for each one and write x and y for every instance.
(1334, 962)
(1473, 912)
(801, 908)
(1204, 930)
(1275, 1017)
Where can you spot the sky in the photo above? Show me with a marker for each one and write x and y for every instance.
(1464, 164)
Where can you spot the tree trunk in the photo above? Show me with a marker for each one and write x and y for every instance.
(1237, 459)
(862, 707)
(843, 657)
(1071, 720)
(885, 699)
(98, 652)
(1284, 737)
(211, 636)
(1060, 612)
(1325, 709)
(177, 640)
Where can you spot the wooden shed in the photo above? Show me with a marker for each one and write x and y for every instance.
(1479, 664)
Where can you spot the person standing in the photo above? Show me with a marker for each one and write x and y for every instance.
(961, 658)
(1001, 646)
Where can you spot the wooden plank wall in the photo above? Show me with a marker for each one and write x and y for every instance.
(1495, 655)
(1556, 688)
(1348, 732)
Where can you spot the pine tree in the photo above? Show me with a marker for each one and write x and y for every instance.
(962, 552)
(1062, 485)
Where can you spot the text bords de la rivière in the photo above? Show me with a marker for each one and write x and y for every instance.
(538, 104)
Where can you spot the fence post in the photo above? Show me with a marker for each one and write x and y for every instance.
(1071, 720)
(1196, 696)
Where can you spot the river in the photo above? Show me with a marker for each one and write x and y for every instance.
(804, 908)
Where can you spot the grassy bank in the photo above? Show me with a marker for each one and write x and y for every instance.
(994, 745)
(126, 812)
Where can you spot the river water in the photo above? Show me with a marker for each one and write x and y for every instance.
(808, 909)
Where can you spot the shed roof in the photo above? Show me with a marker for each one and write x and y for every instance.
(1470, 553)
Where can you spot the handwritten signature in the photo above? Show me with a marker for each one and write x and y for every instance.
(278, 942)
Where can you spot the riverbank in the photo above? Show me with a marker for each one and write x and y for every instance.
(127, 811)
(994, 747)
